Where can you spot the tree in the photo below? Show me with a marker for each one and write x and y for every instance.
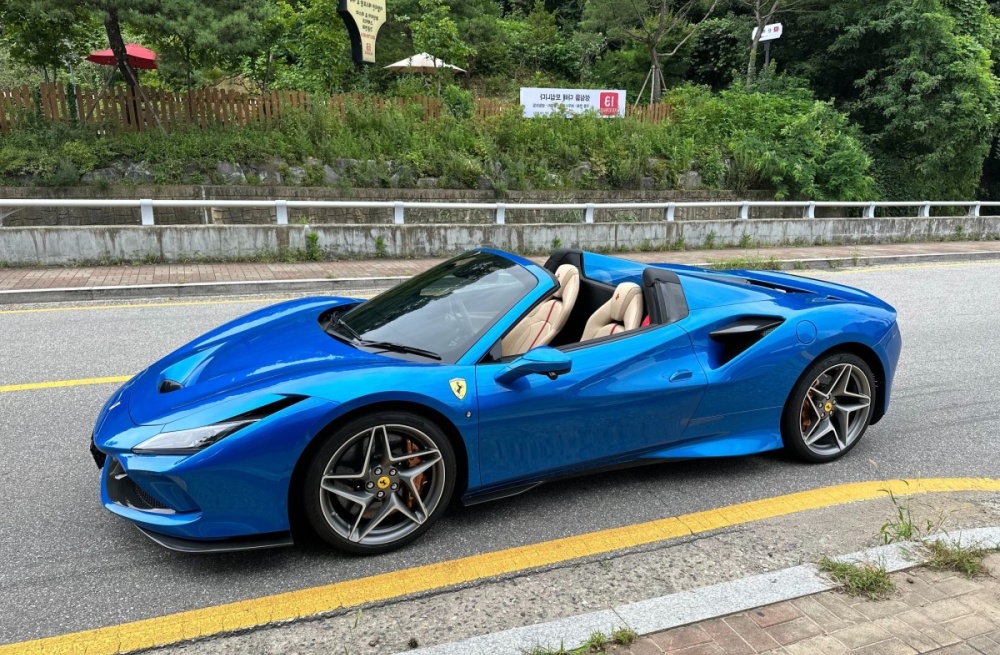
(651, 23)
(193, 35)
(437, 33)
(42, 35)
(928, 98)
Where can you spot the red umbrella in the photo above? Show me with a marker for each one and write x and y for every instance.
(138, 56)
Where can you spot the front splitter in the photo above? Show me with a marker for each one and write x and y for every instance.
(275, 540)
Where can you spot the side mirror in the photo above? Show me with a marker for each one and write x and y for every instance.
(542, 360)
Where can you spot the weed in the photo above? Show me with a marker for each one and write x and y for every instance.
(102, 184)
(747, 264)
(967, 560)
(710, 240)
(596, 641)
(313, 252)
(798, 266)
(679, 243)
(868, 580)
(745, 241)
(544, 650)
(556, 243)
(380, 248)
(959, 232)
(902, 527)
(624, 636)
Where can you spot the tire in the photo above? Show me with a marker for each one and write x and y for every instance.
(366, 510)
(830, 408)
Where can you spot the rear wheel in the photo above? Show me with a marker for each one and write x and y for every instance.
(379, 482)
(829, 409)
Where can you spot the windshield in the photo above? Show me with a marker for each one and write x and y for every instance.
(445, 310)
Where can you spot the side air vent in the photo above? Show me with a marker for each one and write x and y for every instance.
(739, 335)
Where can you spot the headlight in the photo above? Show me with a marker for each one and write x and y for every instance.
(187, 442)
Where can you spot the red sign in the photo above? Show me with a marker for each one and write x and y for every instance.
(609, 103)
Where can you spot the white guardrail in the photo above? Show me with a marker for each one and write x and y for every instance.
(280, 208)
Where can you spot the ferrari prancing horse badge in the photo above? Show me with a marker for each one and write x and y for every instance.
(458, 387)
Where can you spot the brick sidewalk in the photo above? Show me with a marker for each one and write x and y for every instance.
(60, 277)
(931, 612)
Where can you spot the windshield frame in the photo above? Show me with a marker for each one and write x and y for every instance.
(542, 282)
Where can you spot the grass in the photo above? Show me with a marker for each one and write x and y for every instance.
(598, 642)
(871, 581)
(902, 526)
(747, 264)
(967, 560)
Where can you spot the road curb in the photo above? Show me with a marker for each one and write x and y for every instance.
(345, 285)
(258, 287)
(696, 605)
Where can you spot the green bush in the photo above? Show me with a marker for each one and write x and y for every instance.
(780, 140)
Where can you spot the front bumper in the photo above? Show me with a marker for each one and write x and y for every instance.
(231, 496)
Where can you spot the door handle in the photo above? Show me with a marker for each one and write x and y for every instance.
(681, 375)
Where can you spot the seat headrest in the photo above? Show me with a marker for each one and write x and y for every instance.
(625, 296)
(567, 274)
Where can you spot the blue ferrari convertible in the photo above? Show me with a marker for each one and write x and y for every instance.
(481, 378)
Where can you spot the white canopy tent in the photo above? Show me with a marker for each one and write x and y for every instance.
(425, 64)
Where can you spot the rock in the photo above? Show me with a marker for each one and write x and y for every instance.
(403, 178)
(484, 183)
(139, 173)
(231, 173)
(689, 181)
(553, 180)
(270, 176)
(296, 175)
(330, 176)
(312, 161)
(105, 174)
(654, 163)
(427, 183)
(647, 184)
(344, 165)
(581, 172)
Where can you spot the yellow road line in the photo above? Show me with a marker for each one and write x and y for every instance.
(160, 631)
(126, 305)
(34, 386)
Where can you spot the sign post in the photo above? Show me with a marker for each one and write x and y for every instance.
(771, 33)
(363, 19)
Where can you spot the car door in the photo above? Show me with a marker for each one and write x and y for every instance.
(622, 397)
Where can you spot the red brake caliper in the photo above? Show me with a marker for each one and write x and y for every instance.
(419, 480)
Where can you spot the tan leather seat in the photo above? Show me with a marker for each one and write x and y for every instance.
(620, 314)
(541, 326)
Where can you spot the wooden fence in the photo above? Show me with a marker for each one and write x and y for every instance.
(120, 108)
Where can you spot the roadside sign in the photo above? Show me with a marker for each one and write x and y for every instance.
(544, 102)
(771, 32)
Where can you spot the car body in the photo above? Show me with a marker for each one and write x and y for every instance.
(205, 450)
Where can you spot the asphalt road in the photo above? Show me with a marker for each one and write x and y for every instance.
(68, 565)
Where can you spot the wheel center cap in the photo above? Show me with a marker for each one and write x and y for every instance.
(383, 482)
(828, 407)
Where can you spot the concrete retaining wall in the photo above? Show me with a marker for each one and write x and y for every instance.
(68, 245)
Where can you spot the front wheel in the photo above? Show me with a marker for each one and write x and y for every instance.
(829, 409)
(379, 482)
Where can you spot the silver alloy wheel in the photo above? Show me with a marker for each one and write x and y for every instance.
(835, 410)
(382, 484)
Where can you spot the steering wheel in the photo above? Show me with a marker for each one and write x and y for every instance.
(458, 310)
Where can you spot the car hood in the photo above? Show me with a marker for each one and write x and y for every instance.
(276, 344)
